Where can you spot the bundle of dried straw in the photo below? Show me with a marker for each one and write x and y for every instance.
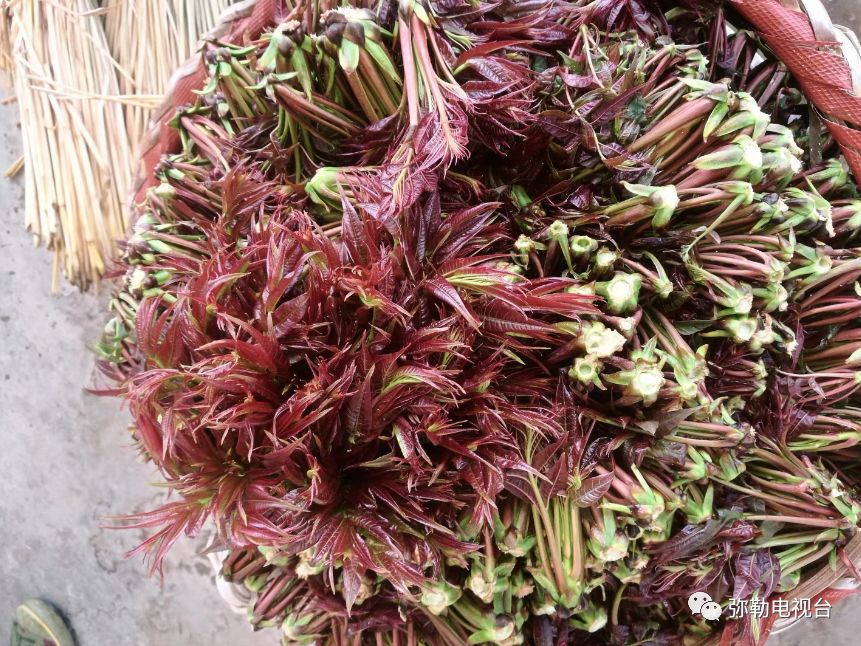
(149, 40)
(87, 74)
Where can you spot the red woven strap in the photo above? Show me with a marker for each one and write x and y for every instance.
(820, 67)
(163, 139)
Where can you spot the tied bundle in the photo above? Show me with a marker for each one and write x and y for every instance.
(76, 148)
(498, 323)
(87, 77)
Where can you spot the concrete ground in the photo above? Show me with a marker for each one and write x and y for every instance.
(65, 467)
(845, 12)
(66, 464)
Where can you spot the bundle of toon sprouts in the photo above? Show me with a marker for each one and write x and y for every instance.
(498, 322)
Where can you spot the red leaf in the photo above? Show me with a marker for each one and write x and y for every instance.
(593, 489)
(446, 292)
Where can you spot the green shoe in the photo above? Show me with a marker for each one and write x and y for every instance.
(39, 624)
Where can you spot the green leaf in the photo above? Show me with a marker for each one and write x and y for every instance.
(223, 69)
(636, 109)
(348, 56)
(211, 86)
(381, 58)
(421, 14)
(267, 60)
(544, 581)
(297, 60)
(686, 328)
(715, 119)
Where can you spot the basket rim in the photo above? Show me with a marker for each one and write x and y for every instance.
(837, 89)
(826, 30)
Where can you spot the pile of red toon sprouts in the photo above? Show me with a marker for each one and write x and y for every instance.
(498, 322)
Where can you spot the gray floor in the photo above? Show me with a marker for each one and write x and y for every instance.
(65, 467)
(66, 464)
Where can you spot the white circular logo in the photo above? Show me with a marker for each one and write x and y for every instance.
(701, 603)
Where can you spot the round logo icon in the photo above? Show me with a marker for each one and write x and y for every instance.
(701, 603)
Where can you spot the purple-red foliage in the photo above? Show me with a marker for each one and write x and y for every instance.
(359, 395)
